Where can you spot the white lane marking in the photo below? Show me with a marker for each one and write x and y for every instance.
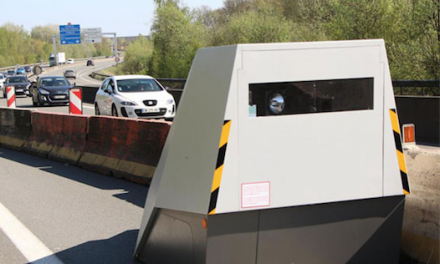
(28, 244)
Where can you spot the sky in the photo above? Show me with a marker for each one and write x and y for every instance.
(126, 18)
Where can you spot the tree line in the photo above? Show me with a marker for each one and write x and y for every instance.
(410, 28)
(17, 46)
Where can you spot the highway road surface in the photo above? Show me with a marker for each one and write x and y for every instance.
(54, 213)
(83, 79)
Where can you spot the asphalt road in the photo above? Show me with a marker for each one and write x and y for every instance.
(83, 78)
(77, 216)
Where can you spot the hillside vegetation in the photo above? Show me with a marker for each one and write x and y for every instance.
(17, 46)
(410, 29)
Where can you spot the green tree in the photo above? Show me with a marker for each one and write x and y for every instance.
(137, 56)
(17, 46)
(426, 18)
(44, 33)
(262, 24)
(176, 38)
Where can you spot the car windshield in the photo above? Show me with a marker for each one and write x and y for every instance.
(69, 71)
(1, 77)
(11, 72)
(17, 79)
(48, 82)
(138, 85)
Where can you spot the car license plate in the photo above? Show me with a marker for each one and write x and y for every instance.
(19, 90)
(59, 96)
(150, 110)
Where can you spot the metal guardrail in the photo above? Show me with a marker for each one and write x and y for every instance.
(171, 83)
(21, 65)
(401, 87)
(417, 87)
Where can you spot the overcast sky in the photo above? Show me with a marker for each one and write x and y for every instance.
(126, 18)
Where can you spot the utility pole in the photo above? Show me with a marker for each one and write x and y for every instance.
(54, 37)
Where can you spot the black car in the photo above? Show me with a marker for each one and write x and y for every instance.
(21, 84)
(27, 68)
(90, 63)
(50, 90)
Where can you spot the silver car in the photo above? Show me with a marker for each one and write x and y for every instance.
(70, 74)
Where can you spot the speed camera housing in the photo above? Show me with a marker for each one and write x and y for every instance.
(280, 153)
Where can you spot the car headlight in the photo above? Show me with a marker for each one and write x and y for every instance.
(169, 101)
(127, 103)
(43, 91)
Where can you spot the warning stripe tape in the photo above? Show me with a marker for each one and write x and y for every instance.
(399, 150)
(219, 167)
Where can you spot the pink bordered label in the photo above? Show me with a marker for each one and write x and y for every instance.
(254, 195)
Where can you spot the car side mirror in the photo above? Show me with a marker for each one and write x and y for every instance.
(74, 84)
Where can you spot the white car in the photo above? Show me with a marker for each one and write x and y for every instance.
(70, 61)
(134, 96)
(2, 82)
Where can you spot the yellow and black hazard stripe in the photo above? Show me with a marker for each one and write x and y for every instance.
(399, 150)
(219, 167)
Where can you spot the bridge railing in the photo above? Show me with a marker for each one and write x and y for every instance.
(401, 87)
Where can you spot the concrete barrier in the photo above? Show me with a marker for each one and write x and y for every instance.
(124, 148)
(15, 127)
(57, 136)
(421, 222)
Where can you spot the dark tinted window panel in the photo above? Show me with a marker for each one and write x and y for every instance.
(291, 98)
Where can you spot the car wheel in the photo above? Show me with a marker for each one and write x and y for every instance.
(97, 110)
(114, 112)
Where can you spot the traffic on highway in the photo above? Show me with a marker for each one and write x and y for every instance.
(38, 99)
(132, 96)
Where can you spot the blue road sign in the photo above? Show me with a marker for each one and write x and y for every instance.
(70, 34)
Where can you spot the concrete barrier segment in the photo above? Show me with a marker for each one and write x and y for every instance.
(124, 148)
(15, 127)
(59, 137)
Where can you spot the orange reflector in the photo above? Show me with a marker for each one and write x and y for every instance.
(205, 223)
(409, 133)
